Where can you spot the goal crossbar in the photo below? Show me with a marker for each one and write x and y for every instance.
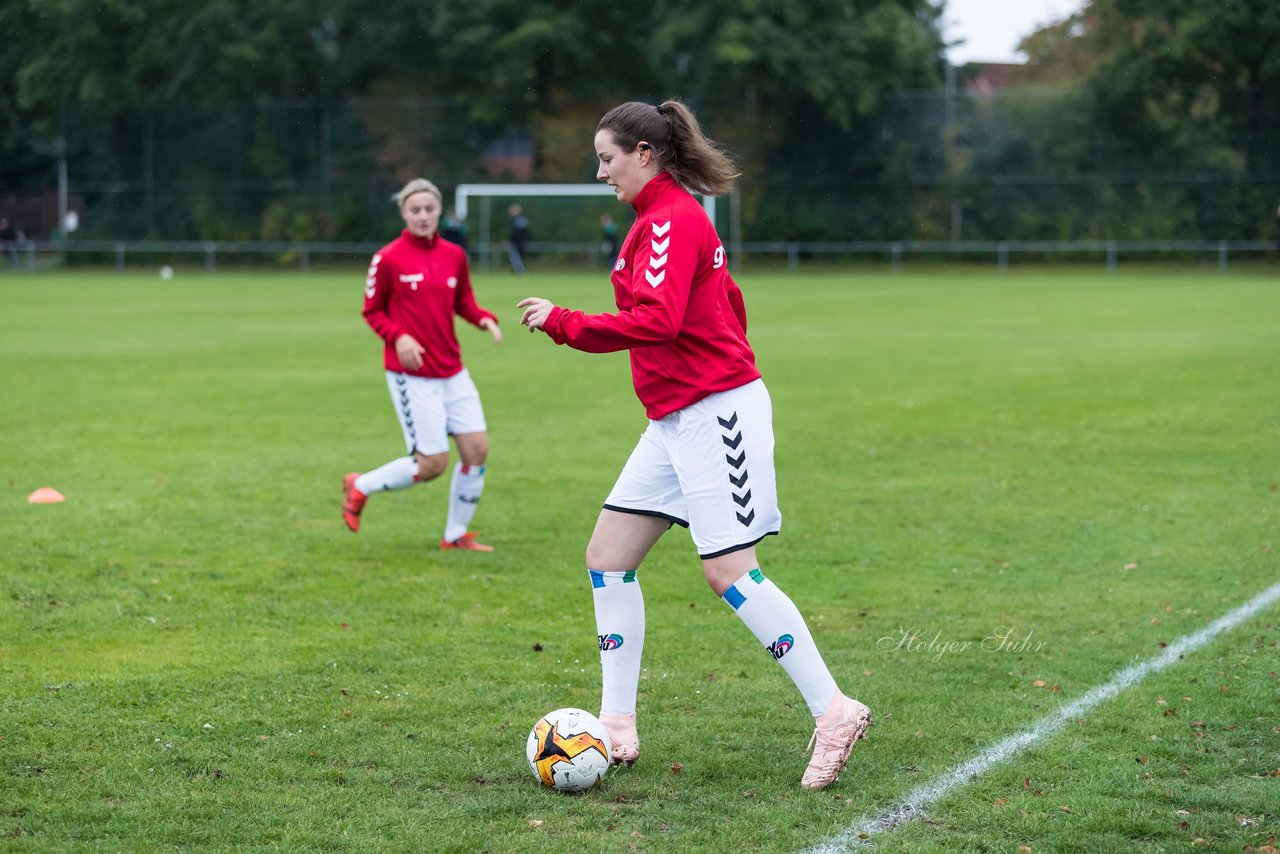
(465, 192)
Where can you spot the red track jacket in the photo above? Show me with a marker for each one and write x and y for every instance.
(416, 285)
(679, 311)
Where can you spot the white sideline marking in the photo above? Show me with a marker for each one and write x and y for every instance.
(914, 805)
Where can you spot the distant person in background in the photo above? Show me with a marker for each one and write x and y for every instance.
(609, 239)
(415, 286)
(453, 228)
(706, 459)
(10, 238)
(517, 238)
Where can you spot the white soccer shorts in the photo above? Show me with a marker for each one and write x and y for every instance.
(708, 467)
(431, 410)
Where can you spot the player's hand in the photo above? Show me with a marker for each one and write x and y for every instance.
(409, 352)
(536, 312)
(492, 326)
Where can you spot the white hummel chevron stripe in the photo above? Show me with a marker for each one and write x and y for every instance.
(658, 259)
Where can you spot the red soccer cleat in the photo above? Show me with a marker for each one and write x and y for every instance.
(467, 542)
(352, 501)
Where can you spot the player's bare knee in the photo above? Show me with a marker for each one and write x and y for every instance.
(473, 448)
(429, 468)
(716, 579)
(721, 572)
(602, 557)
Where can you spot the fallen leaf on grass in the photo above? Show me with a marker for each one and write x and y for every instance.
(1129, 566)
(676, 768)
(1039, 683)
(1065, 808)
(535, 822)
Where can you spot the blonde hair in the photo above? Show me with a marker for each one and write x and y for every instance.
(417, 185)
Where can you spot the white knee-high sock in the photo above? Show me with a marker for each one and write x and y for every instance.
(776, 622)
(464, 495)
(400, 473)
(620, 632)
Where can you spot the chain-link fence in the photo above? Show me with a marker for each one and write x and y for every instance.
(1020, 165)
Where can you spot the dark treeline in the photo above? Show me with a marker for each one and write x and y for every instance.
(285, 119)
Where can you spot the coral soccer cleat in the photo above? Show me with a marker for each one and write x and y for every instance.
(467, 542)
(352, 501)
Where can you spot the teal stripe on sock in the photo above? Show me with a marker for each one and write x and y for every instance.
(757, 576)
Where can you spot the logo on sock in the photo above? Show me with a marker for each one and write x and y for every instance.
(778, 648)
(608, 642)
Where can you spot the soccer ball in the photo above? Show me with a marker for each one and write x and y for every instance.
(166, 272)
(569, 750)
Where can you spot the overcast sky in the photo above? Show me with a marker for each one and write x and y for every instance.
(992, 28)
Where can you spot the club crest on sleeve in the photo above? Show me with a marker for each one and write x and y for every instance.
(622, 263)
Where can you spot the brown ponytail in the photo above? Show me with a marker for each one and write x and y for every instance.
(679, 145)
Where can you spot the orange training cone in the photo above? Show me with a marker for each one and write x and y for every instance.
(45, 495)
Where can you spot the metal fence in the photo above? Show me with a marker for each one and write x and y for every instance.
(37, 256)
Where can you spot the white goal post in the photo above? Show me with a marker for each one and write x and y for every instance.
(465, 192)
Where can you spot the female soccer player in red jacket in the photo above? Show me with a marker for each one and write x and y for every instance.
(416, 284)
(706, 459)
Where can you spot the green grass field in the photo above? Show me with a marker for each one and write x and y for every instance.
(196, 655)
